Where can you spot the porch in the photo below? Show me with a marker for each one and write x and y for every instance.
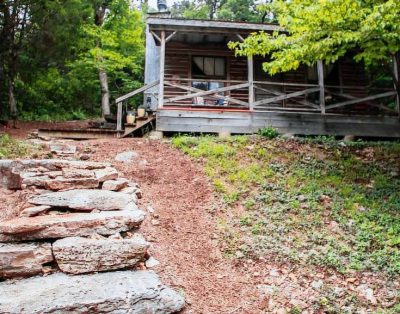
(194, 83)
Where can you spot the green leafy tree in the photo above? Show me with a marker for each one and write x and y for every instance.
(326, 30)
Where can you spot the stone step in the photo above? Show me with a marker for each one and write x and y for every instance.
(113, 292)
(68, 225)
(23, 259)
(87, 200)
(77, 255)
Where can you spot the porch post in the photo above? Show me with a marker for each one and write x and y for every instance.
(320, 70)
(119, 116)
(250, 78)
(396, 82)
(162, 66)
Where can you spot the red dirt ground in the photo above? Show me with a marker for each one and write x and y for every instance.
(184, 235)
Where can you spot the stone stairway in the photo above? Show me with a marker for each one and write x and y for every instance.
(78, 240)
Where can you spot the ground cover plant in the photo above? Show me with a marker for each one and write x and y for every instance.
(317, 203)
(11, 148)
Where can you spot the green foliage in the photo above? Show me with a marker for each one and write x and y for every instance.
(326, 30)
(313, 201)
(268, 132)
(57, 70)
(10, 148)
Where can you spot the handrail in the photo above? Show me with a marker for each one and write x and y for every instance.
(137, 91)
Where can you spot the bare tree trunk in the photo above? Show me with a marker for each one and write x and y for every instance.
(100, 13)
(105, 93)
(12, 103)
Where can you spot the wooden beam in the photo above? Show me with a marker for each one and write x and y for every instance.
(320, 70)
(119, 116)
(195, 90)
(170, 36)
(208, 92)
(302, 102)
(162, 70)
(241, 39)
(286, 96)
(358, 100)
(344, 95)
(396, 82)
(250, 79)
(156, 36)
(137, 91)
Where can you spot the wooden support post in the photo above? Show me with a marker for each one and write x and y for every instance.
(396, 82)
(250, 78)
(119, 116)
(320, 69)
(162, 67)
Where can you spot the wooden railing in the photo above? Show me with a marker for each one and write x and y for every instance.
(276, 96)
(123, 98)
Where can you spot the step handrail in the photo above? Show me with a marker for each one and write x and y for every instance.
(119, 101)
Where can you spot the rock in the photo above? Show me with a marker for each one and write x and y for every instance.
(12, 171)
(105, 174)
(86, 200)
(115, 185)
(68, 225)
(126, 157)
(317, 284)
(119, 292)
(74, 173)
(367, 293)
(34, 211)
(23, 259)
(77, 255)
(61, 183)
(152, 262)
(299, 303)
(84, 157)
(61, 149)
(274, 273)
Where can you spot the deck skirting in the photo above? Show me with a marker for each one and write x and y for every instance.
(247, 122)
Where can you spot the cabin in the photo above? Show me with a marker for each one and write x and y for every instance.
(195, 83)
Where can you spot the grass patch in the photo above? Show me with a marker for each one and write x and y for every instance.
(313, 201)
(10, 148)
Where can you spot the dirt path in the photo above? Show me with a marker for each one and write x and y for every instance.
(184, 234)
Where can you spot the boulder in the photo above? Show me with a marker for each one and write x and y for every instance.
(23, 259)
(77, 255)
(115, 185)
(126, 157)
(86, 200)
(68, 225)
(34, 211)
(121, 292)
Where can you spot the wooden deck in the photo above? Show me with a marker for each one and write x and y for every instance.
(238, 121)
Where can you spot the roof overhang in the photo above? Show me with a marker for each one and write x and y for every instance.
(207, 26)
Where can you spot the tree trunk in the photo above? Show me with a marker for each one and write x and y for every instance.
(12, 103)
(105, 94)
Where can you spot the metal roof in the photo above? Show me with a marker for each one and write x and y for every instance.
(211, 26)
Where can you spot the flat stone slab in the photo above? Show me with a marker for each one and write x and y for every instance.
(23, 259)
(115, 185)
(77, 255)
(133, 292)
(69, 225)
(12, 171)
(34, 211)
(86, 200)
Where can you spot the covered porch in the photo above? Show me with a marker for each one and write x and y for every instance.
(196, 84)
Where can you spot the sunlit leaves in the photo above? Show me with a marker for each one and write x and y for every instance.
(326, 29)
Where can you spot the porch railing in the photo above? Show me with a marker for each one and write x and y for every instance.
(268, 95)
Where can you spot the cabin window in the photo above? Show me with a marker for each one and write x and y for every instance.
(208, 67)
